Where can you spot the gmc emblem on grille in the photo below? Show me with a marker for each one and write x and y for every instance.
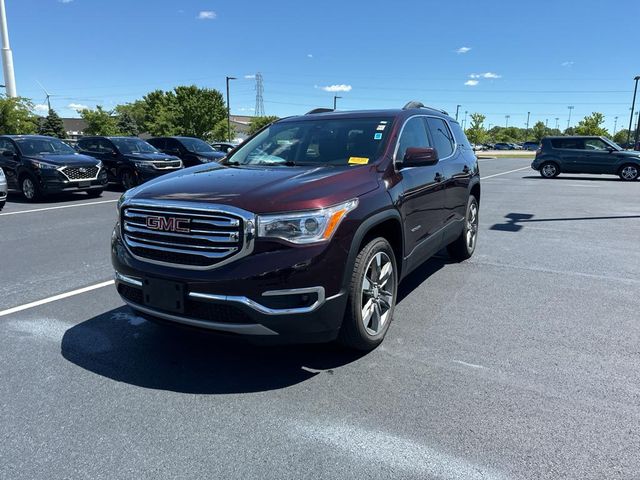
(169, 224)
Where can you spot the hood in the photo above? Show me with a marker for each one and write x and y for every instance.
(211, 155)
(156, 157)
(70, 160)
(262, 190)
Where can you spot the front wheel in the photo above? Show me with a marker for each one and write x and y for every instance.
(463, 247)
(94, 193)
(372, 296)
(629, 172)
(128, 179)
(30, 189)
(2, 205)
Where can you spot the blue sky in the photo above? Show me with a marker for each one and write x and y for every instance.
(490, 57)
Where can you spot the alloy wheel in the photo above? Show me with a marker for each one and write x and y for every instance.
(472, 226)
(629, 172)
(549, 170)
(28, 189)
(377, 293)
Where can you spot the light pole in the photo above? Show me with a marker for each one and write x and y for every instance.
(615, 125)
(633, 106)
(229, 109)
(464, 122)
(506, 121)
(546, 123)
(7, 55)
(557, 123)
(526, 133)
(570, 107)
(457, 110)
(335, 101)
(635, 142)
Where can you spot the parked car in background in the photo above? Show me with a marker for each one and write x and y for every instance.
(503, 146)
(531, 146)
(224, 147)
(192, 151)
(129, 161)
(38, 165)
(585, 155)
(3, 189)
(516, 146)
(304, 240)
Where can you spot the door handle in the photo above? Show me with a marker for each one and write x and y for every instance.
(439, 177)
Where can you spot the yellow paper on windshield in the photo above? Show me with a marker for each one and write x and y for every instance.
(358, 160)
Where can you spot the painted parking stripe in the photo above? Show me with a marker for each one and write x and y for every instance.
(59, 207)
(504, 173)
(60, 296)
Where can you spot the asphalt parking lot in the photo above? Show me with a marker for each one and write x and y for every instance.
(523, 362)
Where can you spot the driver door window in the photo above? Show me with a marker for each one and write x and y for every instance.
(414, 134)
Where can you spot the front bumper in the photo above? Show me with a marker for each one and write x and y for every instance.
(56, 182)
(255, 296)
(146, 174)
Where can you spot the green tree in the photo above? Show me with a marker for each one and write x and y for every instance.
(539, 131)
(52, 125)
(621, 136)
(476, 133)
(127, 125)
(220, 132)
(592, 125)
(257, 123)
(135, 110)
(99, 122)
(16, 116)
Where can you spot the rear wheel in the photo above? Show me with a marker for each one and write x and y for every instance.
(30, 188)
(372, 296)
(629, 172)
(549, 170)
(463, 247)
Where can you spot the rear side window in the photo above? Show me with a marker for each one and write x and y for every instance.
(442, 136)
(89, 145)
(461, 138)
(568, 143)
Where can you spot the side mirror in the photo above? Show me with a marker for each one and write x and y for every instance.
(610, 149)
(8, 153)
(420, 157)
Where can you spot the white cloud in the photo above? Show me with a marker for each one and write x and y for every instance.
(337, 88)
(77, 106)
(471, 83)
(249, 77)
(463, 49)
(207, 15)
(41, 107)
(65, 1)
(485, 75)
(309, 55)
(246, 109)
(567, 64)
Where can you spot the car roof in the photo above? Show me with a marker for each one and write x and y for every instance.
(396, 112)
(572, 136)
(27, 136)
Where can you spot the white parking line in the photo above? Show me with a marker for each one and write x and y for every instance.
(60, 296)
(58, 207)
(504, 173)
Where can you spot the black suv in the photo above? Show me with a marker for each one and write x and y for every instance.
(129, 160)
(38, 165)
(305, 230)
(192, 151)
(585, 155)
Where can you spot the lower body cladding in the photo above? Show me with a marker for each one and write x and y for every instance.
(296, 314)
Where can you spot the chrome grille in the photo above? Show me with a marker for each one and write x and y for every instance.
(80, 173)
(167, 164)
(188, 237)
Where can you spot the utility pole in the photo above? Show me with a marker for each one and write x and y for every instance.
(570, 107)
(335, 101)
(228, 110)
(457, 110)
(259, 110)
(557, 123)
(526, 133)
(7, 55)
(615, 125)
(546, 123)
(464, 122)
(506, 121)
(633, 106)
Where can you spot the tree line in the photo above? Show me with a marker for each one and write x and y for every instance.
(591, 125)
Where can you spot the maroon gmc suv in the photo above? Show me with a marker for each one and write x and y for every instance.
(302, 233)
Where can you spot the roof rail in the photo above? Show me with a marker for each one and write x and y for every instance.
(319, 110)
(415, 104)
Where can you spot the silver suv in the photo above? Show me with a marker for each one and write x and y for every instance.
(3, 189)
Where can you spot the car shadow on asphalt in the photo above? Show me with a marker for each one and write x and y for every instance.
(17, 197)
(126, 348)
(422, 274)
(515, 221)
(564, 177)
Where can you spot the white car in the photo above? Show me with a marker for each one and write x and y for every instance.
(3, 189)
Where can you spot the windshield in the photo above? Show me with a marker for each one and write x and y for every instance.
(43, 146)
(133, 146)
(196, 145)
(334, 142)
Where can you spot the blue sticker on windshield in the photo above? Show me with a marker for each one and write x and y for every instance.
(377, 136)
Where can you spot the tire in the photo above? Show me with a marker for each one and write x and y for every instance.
(463, 247)
(30, 188)
(128, 179)
(2, 205)
(629, 172)
(372, 297)
(95, 193)
(549, 170)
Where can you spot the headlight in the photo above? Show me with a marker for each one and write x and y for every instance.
(305, 227)
(43, 166)
(143, 164)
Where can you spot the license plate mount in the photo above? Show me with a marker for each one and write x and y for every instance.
(84, 184)
(163, 295)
